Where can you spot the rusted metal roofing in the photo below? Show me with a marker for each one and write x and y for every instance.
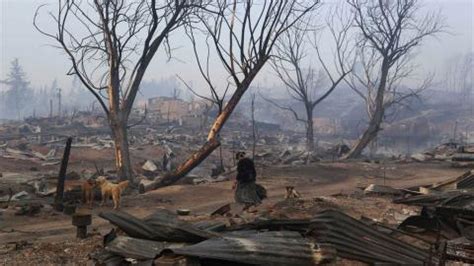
(211, 226)
(160, 226)
(467, 182)
(356, 240)
(298, 225)
(267, 248)
(460, 249)
(451, 198)
(104, 257)
(139, 249)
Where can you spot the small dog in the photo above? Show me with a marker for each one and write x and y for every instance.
(108, 189)
(291, 193)
(88, 191)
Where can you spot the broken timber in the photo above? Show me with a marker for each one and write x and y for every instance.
(183, 169)
(58, 201)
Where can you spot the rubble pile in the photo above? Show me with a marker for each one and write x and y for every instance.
(433, 225)
(460, 155)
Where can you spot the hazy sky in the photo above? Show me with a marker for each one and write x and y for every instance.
(43, 63)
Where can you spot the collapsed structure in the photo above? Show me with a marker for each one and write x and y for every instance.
(442, 231)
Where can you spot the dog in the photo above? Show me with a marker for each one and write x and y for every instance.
(108, 189)
(291, 193)
(88, 191)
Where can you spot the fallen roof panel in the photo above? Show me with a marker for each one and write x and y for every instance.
(267, 248)
(449, 198)
(139, 249)
(160, 226)
(299, 225)
(354, 239)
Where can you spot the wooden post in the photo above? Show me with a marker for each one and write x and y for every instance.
(81, 221)
(58, 201)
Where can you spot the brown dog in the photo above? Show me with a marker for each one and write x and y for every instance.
(88, 191)
(108, 189)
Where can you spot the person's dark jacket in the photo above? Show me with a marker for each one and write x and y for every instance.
(246, 171)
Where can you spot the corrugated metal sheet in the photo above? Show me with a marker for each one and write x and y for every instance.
(139, 249)
(467, 182)
(462, 200)
(461, 249)
(356, 240)
(298, 225)
(449, 198)
(268, 248)
(211, 226)
(107, 258)
(160, 226)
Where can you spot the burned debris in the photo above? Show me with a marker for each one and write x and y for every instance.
(432, 224)
(440, 232)
(328, 235)
(361, 161)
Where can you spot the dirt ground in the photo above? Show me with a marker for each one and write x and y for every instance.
(49, 237)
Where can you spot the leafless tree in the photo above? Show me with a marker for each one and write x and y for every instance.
(242, 35)
(215, 100)
(110, 48)
(389, 33)
(458, 77)
(304, 83)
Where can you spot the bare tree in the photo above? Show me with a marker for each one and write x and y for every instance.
(458, 77)
(110, 49)
(215, 100)
(242, 35)
(304, 83)
(389, 33)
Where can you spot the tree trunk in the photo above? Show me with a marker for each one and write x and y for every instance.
(309, 136)
(122, 154)
(309, 128)
(212, 138)
(369, 135)
(376, 120)
(226, 112)
(234, 100)
(254, 128)
(183, 169)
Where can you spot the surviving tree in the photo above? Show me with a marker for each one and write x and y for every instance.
(19, 92)
(304, 83)
(389, 33)
(110, 48)
(459, 77)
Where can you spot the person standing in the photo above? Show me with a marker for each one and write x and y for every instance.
(247, 191)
